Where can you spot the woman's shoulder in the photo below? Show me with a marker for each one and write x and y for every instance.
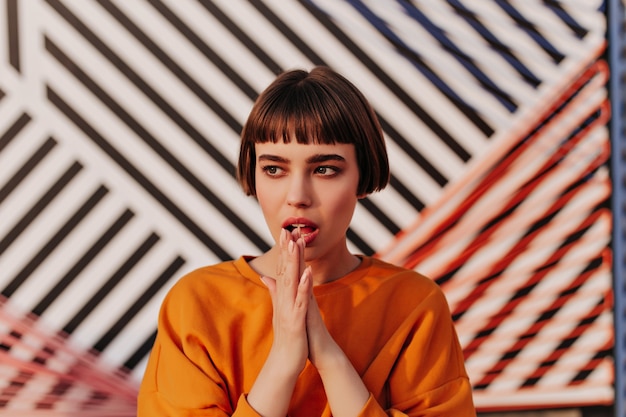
(386, 270)
(215, 278)
(207, 272)
(217, 286)
(401, 281)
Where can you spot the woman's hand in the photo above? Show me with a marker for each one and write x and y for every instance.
(323, 350)
(291, 291)
(344, 387)
(300, 333)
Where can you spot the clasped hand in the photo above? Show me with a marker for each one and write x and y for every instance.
(299, 330)
(300, 334)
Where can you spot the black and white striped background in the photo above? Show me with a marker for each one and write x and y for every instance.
(119, 124)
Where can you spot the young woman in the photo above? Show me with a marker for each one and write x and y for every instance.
(307, 328)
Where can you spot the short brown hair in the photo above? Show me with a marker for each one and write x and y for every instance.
(320, 106)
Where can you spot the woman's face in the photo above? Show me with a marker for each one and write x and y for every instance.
(311, 187)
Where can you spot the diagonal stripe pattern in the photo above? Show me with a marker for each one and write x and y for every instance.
(119, 124)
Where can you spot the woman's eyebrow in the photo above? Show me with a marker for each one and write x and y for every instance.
(324, 158)
(273, 158)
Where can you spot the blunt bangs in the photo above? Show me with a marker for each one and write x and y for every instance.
(317, 107)
(306, 113)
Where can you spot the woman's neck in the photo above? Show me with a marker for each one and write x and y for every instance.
(325, 268)
(325, 271)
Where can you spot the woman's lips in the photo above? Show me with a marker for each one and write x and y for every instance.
(300, 227)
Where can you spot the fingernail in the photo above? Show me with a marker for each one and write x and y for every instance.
(305, 275)
(291, 246)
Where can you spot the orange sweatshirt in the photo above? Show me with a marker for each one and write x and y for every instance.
(215, 331)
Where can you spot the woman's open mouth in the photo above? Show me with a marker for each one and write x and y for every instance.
(302, 228)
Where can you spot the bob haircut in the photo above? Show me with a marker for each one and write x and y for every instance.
(318, 107)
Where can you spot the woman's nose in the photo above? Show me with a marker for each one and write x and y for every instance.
(299, 193)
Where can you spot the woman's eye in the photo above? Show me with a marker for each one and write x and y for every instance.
(271, 170)
(326, 170)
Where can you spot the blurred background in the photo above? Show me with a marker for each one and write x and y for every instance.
(119, 134)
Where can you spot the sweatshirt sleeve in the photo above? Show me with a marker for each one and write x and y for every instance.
(205, 399)
(427, 377)
(452, 400)
(180, 379)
